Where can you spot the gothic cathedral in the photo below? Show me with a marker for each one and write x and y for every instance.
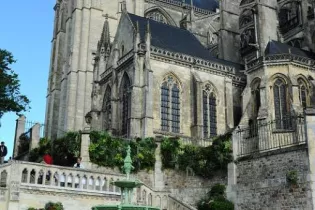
(187, 68)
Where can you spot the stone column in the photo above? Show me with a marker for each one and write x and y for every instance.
(229, 104)
(199, 107)
(35, 136)
(84, 152)
(19, 129)
(158, 173)
(231, 188)
(310, 137)
(13, 182)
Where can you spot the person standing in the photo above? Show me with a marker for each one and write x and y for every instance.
(79, 164)
(3, 152)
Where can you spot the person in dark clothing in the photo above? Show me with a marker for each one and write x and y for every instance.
(3, 152)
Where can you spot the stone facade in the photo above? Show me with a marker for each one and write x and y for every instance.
(262, 183)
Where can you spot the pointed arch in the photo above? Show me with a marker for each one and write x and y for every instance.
(209, 102)
(303, 91)
(170, 104)
(107, 109)
(159, 14)
(125, 97)
(281, 104)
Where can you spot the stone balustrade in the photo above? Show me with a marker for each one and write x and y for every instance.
(178, 205)
(19, 180)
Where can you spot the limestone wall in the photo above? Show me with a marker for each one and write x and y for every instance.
(261, 182)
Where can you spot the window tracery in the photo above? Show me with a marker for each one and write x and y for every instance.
(247, 38)
(281, 104)
(170, 105)
(107, 109)
(125, 103)
(209, 112)
(296, 43)
(303, 93)
(246, 18)
(289, 16)
(157, 16)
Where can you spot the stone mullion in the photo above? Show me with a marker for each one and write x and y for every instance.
(169, 115)
(208, 115)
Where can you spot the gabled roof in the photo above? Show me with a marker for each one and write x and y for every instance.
(175, 39)
(211, 5)
(275, 47)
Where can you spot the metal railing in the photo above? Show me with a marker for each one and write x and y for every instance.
(266, 136)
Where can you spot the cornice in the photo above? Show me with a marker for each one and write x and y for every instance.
(280, 59)
(199, 64)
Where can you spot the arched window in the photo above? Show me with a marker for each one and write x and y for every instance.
(170, 105)
(107, 109)
(256, 99)
(209, 112)
(281, 105)
(125, 103)
(296, 43)
(289, 16)
(247, 18)
(302, 93)
(157, 16)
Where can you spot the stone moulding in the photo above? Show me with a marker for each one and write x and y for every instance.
(200, 64)
(280, 59)
(179, 5)
(184, 60)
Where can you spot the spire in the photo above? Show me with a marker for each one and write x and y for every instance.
(192, 14)
(123, 6)
(105, 38)
(137, 37)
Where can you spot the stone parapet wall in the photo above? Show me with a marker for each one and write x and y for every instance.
(262, 183)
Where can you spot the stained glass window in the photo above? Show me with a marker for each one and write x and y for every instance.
(302, 93)
(125, 95)
(170, 105)
(281, 106)
(175, 109)
(107, 109)
(209, 112)
(164, 106)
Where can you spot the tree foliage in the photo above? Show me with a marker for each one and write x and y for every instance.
(11, 100)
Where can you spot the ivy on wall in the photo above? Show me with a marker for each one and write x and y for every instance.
(106, 150)
(204, 161)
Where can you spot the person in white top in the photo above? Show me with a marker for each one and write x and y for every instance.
(78, 164)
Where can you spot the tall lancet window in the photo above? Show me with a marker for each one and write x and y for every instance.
(170, 105)
(107, 109)
(281, 104)
(302, 93)
(209, 112)
(125, 104)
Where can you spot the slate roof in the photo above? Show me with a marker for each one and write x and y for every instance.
(211, 5)
(275, 47)
(175, 39)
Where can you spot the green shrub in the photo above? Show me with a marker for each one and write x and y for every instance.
(63, 150)
(292, 177)
(215, 200)
(54, 206)
(203, 160)
(109, 151)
